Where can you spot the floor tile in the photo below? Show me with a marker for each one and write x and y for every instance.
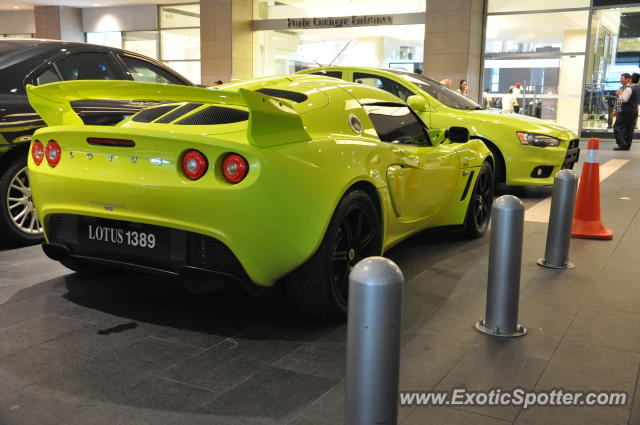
(607, 327)
(448, 416)
(582, 367)
(270, 397)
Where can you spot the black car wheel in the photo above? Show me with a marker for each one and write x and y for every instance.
(320, 287)
(480, 203)
(19, 223)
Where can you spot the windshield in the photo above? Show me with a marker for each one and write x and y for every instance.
(442, 94)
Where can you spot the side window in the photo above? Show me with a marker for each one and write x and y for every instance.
(396, 123)
(48, 76)
(334, 74)
(147, 72)
(87, 66)
(383, 83)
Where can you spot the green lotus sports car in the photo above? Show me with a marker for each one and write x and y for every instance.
(528, 151)
(290, 179)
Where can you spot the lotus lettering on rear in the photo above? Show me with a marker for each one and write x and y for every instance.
(106, 234)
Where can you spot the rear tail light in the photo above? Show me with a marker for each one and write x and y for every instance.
(37, 152)
(52, 153)
(194, 164)
(234, 168)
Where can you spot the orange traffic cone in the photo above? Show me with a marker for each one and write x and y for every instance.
(586, 220)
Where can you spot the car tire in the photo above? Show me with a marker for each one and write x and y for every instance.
(479, 210)
(319, 287)
(14, 184)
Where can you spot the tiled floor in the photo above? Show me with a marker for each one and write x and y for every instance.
(133, 349)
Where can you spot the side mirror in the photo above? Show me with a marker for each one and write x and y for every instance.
(457, 134)
(417, 103)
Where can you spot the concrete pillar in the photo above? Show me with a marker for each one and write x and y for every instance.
(59, 23)
(453, 42)
(226, 40)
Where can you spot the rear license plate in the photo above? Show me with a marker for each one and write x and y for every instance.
(121, 239)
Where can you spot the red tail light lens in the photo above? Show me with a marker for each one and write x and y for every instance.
(37, 152)
(194, 164)
(234, 168)
(53, 153)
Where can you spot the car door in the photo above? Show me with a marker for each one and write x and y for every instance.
(426, 174)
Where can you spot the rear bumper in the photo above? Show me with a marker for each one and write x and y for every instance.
(189, 256)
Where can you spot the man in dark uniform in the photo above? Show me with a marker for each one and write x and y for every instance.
(635, 94)
(626, 107)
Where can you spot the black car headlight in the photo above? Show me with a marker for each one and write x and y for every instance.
(539, 140)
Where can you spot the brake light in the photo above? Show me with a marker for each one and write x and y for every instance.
(194, 164)
(52, 153)
(37, 152)
(234, 168)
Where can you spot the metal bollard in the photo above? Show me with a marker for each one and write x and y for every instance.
(505, 261)
(563, 200)
(373, 342)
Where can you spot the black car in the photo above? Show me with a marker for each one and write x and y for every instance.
(34, 61)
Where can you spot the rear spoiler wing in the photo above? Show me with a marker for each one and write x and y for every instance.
(272, 121)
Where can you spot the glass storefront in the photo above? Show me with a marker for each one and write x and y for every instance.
(389, 46)
(567, 57)
(176, 43)
(542, 55)
(614, 48)
(180, 39)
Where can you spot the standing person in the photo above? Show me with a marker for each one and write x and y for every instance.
(517, 94)
(635, 96)
(626, 107)
(487, 100)
(463, 88)
(507, 102)
(517, 89)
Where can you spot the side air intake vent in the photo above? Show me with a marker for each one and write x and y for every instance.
(215, 115)
(177, 113)
(285, 94)
(151, 114)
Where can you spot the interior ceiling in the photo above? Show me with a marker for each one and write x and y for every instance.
(29, 4)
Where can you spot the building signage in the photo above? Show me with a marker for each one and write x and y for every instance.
(340, 21)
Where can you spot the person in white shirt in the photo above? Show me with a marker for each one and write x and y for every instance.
(517, 93)
(508, 101)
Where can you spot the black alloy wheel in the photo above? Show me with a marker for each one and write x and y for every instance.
(320, 287)
(480, 203)
(354, 241)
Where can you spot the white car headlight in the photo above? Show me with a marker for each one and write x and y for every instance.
(539, 140)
